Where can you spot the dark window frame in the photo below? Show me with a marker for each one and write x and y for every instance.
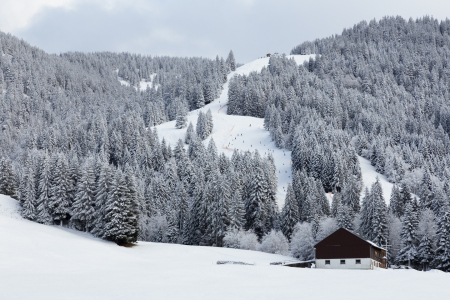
(342, 261)
(358, 262)
(327, 262)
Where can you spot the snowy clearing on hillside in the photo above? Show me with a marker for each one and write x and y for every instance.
(239, 132)
(52, 262)
(143, 84)
(369, 176)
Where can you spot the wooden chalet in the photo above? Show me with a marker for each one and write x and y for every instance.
(345, 250)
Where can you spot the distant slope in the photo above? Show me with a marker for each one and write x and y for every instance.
(50, 262)
(234, 132)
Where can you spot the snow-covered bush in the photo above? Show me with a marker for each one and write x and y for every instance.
(157, 228)
(326, 227)
(302, 242)
(240, 239)
(248, 241)
(274, 242)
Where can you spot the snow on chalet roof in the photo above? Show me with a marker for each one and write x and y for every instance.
(375, 245)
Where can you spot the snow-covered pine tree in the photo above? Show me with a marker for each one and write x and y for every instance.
(373, 215)
(173, 229)
(426, 191)
(101, 196)
(335, 203)
(322, 200)
(254, 207)
(28, 202)
(237, 210)
(231, 61)
(218, 219)
(289, 214)
(59, 202)
(182, 208)
(209, 122)
(120, 215)
(379, 223)
(190, 133)
(425, 252)
(344, 217)
(83, 211)
(396, 206)
(442, 253)
(181, 118)
(351, 195)
(405, 194)
(7, 180)
(408, 251)
(201, 127)
(42, 211)
(132, 201)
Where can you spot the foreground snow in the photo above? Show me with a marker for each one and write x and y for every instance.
(50, 262)
(235, 132)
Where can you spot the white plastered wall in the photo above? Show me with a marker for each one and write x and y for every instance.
(350, 263)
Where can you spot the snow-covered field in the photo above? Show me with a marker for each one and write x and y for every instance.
(51, 262)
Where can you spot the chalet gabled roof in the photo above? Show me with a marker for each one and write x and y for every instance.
(355, 235)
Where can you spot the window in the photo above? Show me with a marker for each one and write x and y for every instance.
(342, 261)
(327, 262)
(358, 261)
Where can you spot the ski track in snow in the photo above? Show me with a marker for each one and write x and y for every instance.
(234, 132)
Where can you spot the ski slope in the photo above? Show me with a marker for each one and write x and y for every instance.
(239, 132)
(247, 134)
(53, 263)
(369, 176)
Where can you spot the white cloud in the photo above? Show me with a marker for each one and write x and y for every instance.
(17, 14)
(167, 35)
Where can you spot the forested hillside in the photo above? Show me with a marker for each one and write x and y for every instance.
(379, 90)
(75, 148)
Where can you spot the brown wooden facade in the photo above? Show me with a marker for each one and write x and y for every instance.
(343, 244)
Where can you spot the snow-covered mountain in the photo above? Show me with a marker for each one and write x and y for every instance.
(53, 262)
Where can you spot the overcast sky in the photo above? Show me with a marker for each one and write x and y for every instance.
(206, 28)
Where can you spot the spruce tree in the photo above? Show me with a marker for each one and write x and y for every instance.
(425, 252)
(101, 196)
(28, 202)
(83, 212)
(396, 204)
(351, 195)
(42, 211)
(442, 252)
(190, 133)
(60, 189)
(344, 217)
(254, 206)
(289, 214)
(408, 251)
(231, 61)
